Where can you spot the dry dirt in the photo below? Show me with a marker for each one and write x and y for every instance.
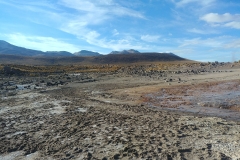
(123, 116)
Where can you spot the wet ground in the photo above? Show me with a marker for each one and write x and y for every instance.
(218, 99)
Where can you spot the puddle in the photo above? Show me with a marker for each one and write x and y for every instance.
(21, 155)
(32, 156)
(55, 106)
(212, 99)
(22, 87)
(22, 94)
(75, 74)
(58, 108)
(12, 155)
(82, 109)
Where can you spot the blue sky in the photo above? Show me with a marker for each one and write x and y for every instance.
(203, 30)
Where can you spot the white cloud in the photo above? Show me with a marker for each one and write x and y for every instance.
(226, 19)
(39, 12)
(180, 51)
(40, 43)
(208, 49)
(122, 44)
(199, 31)
(94, 38)
(194, 30)
(29, 4)
(217, 18)
(150, 38)
(81, 31)
(80, 17)
(181, 3)
(190, 42)
(214, 43)
(93, 12)
(115, 32)
(233, 44)
(101, 8)
(233, 24)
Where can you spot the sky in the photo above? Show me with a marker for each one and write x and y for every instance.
(201, 30)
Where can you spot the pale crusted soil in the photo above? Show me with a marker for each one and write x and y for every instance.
(108, 119)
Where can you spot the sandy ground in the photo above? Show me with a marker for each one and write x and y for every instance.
(117, 116)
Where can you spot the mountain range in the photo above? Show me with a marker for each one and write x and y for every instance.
(9, 49)
(11, 54)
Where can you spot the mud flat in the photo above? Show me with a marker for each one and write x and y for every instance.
(218, 99)
(182, 114)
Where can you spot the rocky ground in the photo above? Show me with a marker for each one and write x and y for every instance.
(186, 111)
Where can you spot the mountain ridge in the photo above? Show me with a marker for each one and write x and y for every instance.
(94, 60)
(10, 54)
(85, 53)
(9, 49)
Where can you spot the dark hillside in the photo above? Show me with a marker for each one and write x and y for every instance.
(136, 58)
(105, 59)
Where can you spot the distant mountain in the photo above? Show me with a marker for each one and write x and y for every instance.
(9, 49)
(172, 54)
(18, 55)
(104, 59)
(85, 53)
(137, 58)
(58, 53)
(130, 51)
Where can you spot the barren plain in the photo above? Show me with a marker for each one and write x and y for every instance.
(177, 110)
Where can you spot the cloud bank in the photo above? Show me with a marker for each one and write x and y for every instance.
(226, 19)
